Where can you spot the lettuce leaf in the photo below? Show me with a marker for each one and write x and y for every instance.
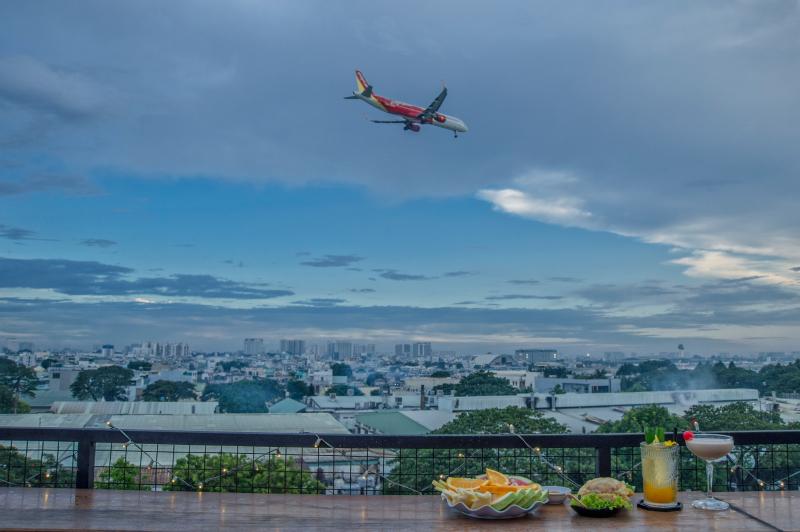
(594, 502)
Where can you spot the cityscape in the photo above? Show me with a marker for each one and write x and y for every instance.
(375, 266)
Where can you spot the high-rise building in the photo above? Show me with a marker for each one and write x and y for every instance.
(293, 347)
(253, 346)
(422, 349)
(402, 350)
(532, 356)
(107, 350)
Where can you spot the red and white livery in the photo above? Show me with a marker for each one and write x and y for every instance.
(413, 117)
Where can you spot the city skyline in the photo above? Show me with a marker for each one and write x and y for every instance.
(627, 183)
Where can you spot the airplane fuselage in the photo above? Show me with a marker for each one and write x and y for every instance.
(411, 113)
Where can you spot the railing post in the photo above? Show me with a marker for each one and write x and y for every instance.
(84, 478)
(603, 468)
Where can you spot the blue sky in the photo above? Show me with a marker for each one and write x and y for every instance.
(189, 171)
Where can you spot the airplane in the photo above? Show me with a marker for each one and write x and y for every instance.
(413, 116)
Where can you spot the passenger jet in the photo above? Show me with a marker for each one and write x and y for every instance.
(412, 116)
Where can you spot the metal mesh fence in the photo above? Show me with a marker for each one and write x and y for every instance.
(322, 469)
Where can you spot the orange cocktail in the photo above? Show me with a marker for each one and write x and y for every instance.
(660, 473)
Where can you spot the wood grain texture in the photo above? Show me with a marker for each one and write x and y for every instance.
(66, 509)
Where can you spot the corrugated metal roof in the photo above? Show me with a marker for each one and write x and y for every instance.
(391, 423)
(134, 407)
(287, 406)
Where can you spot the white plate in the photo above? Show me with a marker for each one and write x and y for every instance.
(557, 494)
(487, 512)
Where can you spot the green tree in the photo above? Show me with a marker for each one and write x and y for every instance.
(232, 364)
(122, 475)
(240, 473)
(162, 390)
(440, 374)
(416, 470)
(299, 389)
(9, 402)
(372, 377)
(484, 383)
(246, 396)
(19, 379)
(343, 389)
(19, 469)
(341, 370)
(48, 362)
(638, 418)
(498, 421)
(107, 383)
(140, 365)
(734, 416)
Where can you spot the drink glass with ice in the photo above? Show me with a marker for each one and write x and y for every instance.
(710, 447)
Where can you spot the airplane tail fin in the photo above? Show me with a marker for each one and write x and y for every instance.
(363, 89)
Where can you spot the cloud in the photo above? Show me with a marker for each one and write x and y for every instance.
(17, 233)
(458, 273)
(560, 279)
(624, 294)
(98, 242)
(46, 183)
(362, 290)
(394, 275)
(561, 210)
(523, 281)
(41, 87)
(320, 302)
(795, 268)
(332, 261)
(97, 279)
(506, 297)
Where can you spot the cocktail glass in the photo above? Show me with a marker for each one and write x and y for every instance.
(710, 447)
(660, 474)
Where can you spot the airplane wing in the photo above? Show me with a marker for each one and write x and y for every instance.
(389, 121)
(434, 106)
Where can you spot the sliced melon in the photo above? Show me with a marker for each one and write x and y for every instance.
(505, 501)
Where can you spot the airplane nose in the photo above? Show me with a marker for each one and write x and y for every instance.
(464, 127)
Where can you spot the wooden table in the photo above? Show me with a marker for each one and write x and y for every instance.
(33, 508)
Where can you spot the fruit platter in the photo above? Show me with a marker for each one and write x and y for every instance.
(492, 496)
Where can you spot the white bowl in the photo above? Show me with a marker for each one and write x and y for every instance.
(557, 494)
(487, 512)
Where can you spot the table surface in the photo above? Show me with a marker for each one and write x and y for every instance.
(67, 509)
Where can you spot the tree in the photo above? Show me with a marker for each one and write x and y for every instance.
(19, 379)
(140, 365)
(559, 372)
(417, 470)
(484, 383)
(440, 374)
(162, 390)
(342, 370)
(122, 475)
(8, 402)
(497, 421)
(232, 364)
(343, 389)
(19, 469)
(48, 362)
(107, 383)
(734, 416)
(240, 473)
(372, 377)
(299, 389)
(247, 396)
(638, 418)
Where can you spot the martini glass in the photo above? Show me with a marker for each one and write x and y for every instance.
(710, 447)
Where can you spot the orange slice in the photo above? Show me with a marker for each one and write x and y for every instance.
(496, 478)
(498, 490)
(466, 483)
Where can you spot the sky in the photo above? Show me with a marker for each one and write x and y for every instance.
(190, 171)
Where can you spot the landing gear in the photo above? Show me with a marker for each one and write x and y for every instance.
(455, 134)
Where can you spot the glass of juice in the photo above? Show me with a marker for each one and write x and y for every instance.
(660, 473)
(710, 447)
